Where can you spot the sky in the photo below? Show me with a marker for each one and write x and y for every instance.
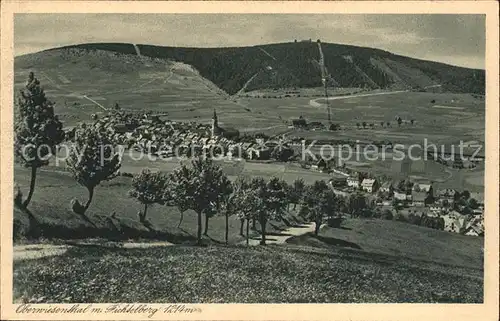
(453, 39)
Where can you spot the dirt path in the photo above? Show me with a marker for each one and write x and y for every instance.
(36, 251)
(314, 102)
(137, 51)
(285, 235)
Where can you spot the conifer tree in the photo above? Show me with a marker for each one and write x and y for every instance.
(38, 130)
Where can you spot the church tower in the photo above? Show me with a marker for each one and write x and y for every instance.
(215, 124)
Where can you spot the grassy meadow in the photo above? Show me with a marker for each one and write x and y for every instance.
(272, 274)
(399, 240)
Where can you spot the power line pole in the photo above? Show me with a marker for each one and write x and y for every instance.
(327, 104)
(324, 79)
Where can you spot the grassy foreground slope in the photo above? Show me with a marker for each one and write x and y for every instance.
(399, 240)
(391, 262)
(269, 274)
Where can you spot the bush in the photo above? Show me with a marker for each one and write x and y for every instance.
(334, 221)
(414, 219)
(400, 217)
(18, 196)
(387, 215)
(76, 207)
(125, 174)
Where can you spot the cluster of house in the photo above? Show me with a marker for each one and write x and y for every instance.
(469, 156)
(458, 218)
(169, 138)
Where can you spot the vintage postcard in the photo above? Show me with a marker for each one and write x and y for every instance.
(249, 160)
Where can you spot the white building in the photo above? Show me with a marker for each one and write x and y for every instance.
(454, 222)
(472, 232)
(399, 196)
(436, 209)
(422, 187)
(369, 185)
(353, 182)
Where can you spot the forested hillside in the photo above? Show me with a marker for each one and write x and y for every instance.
(296, 65)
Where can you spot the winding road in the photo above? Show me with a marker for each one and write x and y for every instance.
(285, 235)
(37, 251)
(314, 102)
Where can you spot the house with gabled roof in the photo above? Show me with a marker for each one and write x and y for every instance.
(418, 198)
(353, 181)
(454, 222)
(474, 231)
(422, 187)
(400, 196)
(386, 187)
(369, 185)
(246, 146)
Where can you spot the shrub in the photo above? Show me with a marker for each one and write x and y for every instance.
(125, 174)
(400, 217)
(387, 215)
(334, 222)
(76, 207)
(414, 219)
(18, 196)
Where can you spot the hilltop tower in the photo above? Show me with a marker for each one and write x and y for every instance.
(215, 124)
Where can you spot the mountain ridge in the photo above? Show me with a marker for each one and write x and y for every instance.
(295, 64)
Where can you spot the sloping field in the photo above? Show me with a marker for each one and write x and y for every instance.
(272, 274)
(410, 76)
(401, 240)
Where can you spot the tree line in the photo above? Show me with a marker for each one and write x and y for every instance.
(200, 186)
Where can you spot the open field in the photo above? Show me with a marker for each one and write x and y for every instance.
(160, 87)
(132, 162)
(276, 274)
(401, 240)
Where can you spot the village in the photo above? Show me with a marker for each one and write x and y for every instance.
(404, 200)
